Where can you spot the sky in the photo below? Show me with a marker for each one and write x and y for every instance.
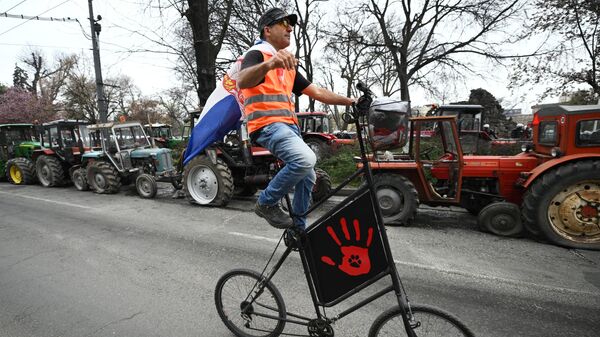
(151, 72)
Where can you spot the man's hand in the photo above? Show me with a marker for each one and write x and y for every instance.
(283, 59)
(351, 100)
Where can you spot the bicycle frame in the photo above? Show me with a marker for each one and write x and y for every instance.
(295, 240)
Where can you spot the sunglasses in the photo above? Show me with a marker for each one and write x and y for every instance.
(284, 22)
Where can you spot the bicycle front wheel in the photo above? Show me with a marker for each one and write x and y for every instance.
(426, 321)
(249, 306)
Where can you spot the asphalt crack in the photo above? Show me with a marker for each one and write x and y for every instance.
(115, 322)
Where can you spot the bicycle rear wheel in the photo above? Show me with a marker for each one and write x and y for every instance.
(248, 306)
(427, 321)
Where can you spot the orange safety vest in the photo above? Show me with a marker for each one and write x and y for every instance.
(270, 101)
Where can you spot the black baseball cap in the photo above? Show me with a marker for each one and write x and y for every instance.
(273, 15)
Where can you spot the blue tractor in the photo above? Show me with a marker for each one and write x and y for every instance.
(122, 154)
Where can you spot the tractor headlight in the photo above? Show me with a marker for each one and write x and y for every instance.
(556, 152)
(526, 147)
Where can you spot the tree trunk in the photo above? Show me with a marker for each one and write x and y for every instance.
(197, 15)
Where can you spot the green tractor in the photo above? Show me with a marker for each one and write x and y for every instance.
(60, 154)
(124, 155)
(162, 136)
(17, 144)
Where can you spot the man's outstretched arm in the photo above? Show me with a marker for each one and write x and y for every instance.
(326, 96)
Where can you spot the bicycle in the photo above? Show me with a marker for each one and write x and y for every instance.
(250, 305)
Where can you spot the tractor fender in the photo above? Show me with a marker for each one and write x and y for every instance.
(328, 138)
(551, 164)
(72, 169)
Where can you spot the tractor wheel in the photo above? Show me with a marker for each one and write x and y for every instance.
(103, 178)
(79, 179)
(322, 186)
(501, 218)
(49, 171)
(205, 183)
(145, 185)
(565, 205)
(318, 146)
(245, 190)
(20, 171)
(397, 197)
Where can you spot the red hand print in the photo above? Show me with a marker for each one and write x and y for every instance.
(355, 259)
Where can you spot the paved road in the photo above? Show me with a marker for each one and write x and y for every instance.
(80, 264)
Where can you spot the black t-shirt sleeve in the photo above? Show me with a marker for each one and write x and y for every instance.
(252, 58)
(300, 83)
(255, 57)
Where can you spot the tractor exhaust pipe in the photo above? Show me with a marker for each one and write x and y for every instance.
(259, 179)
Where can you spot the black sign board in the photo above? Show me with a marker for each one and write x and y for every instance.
(345, 251)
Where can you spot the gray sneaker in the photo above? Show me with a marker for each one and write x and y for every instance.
(274, 215)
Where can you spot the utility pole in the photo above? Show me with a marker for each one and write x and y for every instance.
(96, 28)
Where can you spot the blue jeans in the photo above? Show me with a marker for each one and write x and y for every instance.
(285, 142)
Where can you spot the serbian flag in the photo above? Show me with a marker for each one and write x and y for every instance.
(223, 109)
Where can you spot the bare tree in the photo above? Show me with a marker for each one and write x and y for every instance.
(47, 79)
(421, 35)
(347, 56)
(570, 29)
(308, 33)
(79, 95)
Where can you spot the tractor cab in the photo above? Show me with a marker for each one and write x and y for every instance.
(64, 138)
(313, 122)
(117, 142)
(565, 130)
(17, 140)
(162, 135)
(473, 138)
(17, 144)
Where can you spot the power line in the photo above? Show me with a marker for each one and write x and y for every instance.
(37, 18)
(15, 6)
(44, 12)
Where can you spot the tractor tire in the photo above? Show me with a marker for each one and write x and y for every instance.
(322, 186)
(397, 198)
(103, 178)
(564, 203)
(20, 171)
(319, 147)
(501, 218)
(49, 171)
(145, 185)
(205, 183)
(79, 179)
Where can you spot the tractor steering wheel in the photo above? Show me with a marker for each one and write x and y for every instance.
(425, 153)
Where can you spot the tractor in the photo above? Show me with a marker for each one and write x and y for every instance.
(473, 138)
(17, 144)
(234, 166)
(124, 155)
(550, 190)
(317, 134)
(61, 150)
(162, 135)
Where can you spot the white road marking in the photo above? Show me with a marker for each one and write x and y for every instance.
(256, 237)
(455, 272)
(495, 278)
(47, 200)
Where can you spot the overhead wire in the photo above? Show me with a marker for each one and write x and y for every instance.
(33, 17)
(15, 6)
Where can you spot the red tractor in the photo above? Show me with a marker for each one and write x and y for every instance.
(317, 134)
(552, 189)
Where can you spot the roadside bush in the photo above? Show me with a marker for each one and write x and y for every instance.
(341, 165)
